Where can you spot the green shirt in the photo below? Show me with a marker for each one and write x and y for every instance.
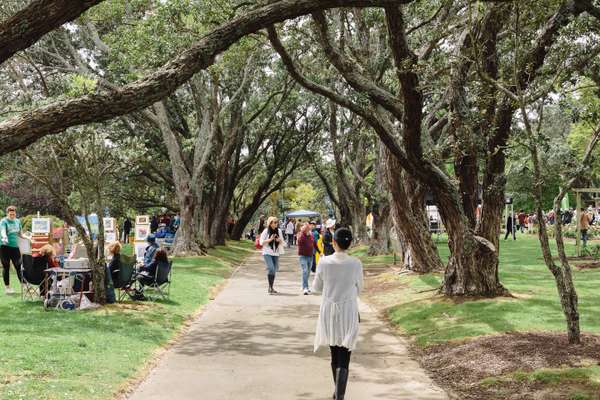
(10, 230)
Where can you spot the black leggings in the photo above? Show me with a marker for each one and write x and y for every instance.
(8, 254)
(340, 357)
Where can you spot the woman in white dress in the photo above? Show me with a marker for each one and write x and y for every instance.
(340, 278)
(271, 241)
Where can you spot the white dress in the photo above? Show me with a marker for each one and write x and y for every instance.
(340, 278)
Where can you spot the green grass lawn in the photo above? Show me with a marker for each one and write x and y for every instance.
(432, 318)
(429, 318)
(92, 354)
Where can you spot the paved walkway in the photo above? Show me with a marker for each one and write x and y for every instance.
(249, 345)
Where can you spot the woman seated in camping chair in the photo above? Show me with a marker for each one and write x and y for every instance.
(114, 265)
(45, 260)
(147, 273)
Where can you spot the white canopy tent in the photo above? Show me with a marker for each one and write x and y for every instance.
(302, 214)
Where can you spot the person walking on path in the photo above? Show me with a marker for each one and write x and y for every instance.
(328, 238)
(289, 232)
(271, 240)
(340, 278)
(10, 231)
(306, 246)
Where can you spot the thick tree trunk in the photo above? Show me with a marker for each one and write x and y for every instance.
(472, 267)
(359, 226)
(345, 213)
(240, 225)
(185, 240)
(407, 204)
(380, 242)
(244, 220)
(218, 231)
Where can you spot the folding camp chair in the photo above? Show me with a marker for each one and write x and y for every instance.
(124, 280)
(160, 287)
(32, 272)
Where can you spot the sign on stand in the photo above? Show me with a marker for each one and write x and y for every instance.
(142, 230)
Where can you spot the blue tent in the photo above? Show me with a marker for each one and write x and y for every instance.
(302, 213)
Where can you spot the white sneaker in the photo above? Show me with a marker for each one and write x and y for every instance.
(8, 290)
(306, 291)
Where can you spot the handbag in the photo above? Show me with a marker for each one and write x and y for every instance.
(257, 244)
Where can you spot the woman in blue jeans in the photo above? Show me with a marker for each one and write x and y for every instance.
(306, 246)
(271, 240)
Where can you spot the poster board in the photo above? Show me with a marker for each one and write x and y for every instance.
(142, 220)
(140, 249)
(109, 224)
(93, 220)
(141, 232)
(24, 245)
(110, 237)
(40, 225)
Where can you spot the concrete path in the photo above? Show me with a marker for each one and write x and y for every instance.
(250, 345)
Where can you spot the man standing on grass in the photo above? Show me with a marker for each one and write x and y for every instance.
(584, 223)
(522, 217)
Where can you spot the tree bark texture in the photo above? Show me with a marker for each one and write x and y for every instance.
(349, 190)
(562, 275)
(380, 241)
(186, 241)
(27, 26)
(407, 204)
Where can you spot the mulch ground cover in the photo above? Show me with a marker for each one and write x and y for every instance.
(465, 368)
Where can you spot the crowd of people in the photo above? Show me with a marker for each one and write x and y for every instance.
(338, 276)
(525, 222)
(46, 256)
(154, 259)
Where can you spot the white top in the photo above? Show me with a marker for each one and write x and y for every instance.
(289, 229)
(340, 278)
(266, 248)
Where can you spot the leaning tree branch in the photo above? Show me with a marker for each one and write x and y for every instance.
(358, 80)
(25, 129)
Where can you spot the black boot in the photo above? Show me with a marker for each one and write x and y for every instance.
(333, 368)
(341, 380)
(271, 279)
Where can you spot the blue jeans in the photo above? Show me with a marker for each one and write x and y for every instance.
(306, 264)
(272, 264)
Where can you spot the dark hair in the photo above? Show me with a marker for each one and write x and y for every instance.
(343, 238)
(161, 255)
